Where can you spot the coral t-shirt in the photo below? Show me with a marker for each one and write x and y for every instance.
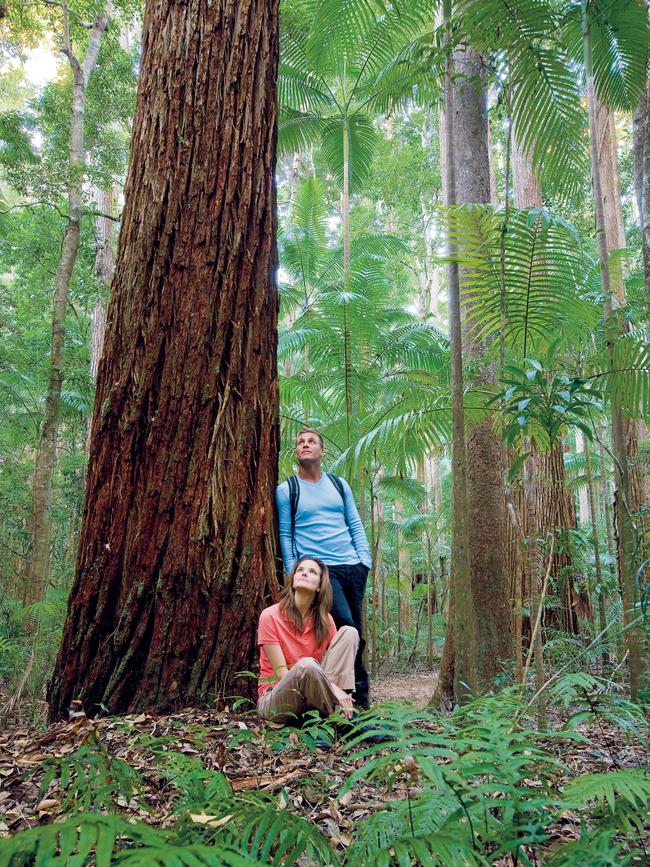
(295, 645)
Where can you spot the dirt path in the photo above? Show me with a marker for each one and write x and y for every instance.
(417, 687)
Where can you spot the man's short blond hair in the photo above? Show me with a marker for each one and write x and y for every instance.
(313, 430)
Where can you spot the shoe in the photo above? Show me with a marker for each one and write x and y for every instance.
(316, 740)
(371, 734)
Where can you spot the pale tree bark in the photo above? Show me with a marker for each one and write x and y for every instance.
(634, 634)
(526, 192)
(486, 504)
(176, 557)
(641, 149)
(602, 613)
(38, 569)
(492, 156)
(457, 672)
(583, 494)
(104, 269)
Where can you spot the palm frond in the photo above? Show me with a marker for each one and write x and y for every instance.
(627, 382)
(546, 108)
(620, 39)
(543, 268)
(362, 137)
(298, 131)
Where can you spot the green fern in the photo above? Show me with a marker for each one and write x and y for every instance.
(91, 778)
(599, 849)
(74, 843)
(429, 829)
(163, 854)
(622, 797)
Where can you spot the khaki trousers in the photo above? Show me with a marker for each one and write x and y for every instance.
(308, 684)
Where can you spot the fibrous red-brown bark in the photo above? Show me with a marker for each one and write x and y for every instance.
(176, 551)
(556, 514)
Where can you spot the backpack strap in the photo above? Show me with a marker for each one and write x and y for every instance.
(294, 496)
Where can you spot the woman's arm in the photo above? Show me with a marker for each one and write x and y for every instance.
(276, 658)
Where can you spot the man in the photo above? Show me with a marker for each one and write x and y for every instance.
(319, 518)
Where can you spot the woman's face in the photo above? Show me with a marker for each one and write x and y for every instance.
(307, 576)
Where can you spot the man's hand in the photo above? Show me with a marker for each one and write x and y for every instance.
(344, 699)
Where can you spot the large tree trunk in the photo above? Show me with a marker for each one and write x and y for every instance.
(176, 554)
(487, 520)
(45, 456)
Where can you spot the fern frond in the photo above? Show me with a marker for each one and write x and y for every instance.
(625, 794)
(91, 778)
(81, 840)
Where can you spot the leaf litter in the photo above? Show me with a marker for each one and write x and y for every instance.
(253, 757)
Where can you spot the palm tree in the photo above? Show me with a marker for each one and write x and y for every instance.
(397, 370)
(350, 64)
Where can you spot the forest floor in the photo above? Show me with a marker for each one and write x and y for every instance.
(251, 756)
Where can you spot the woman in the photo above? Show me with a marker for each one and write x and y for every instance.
(304, 662)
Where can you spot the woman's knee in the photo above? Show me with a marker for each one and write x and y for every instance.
(349, 634)
(307, 662)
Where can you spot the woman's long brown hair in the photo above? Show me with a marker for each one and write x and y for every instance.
(321, 606)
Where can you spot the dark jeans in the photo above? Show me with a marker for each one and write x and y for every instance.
(348, 587)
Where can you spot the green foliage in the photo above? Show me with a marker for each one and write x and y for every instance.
(533, 67)
(542, 406)
(621, 797)
(620, 37)
(91, 778)
(467, 789)
(532, 292)
(110, 840)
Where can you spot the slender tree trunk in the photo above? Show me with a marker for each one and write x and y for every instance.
(38, 570)
(525, 188)
(634, 634)
(347, 348)
(535, 587)
(641, 149)
(583, 495)
(104, 269)
(176, 556)
(600, 590)
(374, 547)
(457, 672)
(486, 505)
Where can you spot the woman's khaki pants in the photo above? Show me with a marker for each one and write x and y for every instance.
(308, 684)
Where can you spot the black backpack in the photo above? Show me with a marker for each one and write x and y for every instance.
(294, 496)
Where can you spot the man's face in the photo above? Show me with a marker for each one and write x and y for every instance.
(308, 448)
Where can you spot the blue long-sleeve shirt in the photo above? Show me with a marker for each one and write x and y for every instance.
(321, 527)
